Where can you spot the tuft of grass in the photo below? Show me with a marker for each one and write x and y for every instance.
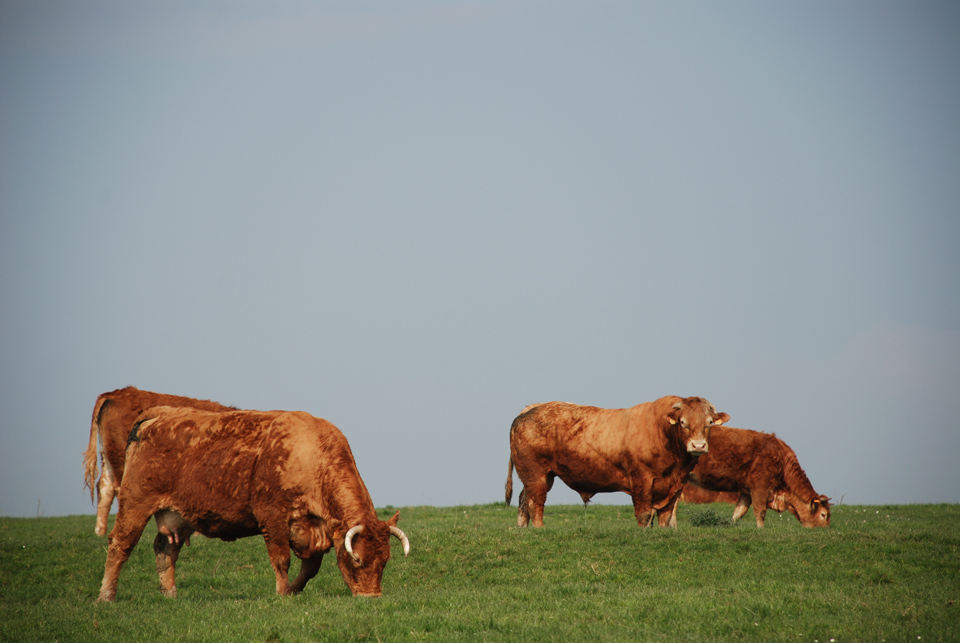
(877, 573)
(709, 517)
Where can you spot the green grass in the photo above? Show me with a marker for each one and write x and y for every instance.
(878, 573)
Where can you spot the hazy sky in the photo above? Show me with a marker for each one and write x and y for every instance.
(413, 219)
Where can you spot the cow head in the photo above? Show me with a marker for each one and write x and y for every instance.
(819, 513)
(363, 551)
(815, 513)
(695, 417)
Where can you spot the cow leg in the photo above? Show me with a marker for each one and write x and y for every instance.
(536, 497)
(760, 508)
(667, 517)
(167, 552)
(106, 490)
(309, 540)
(172, 533)
(673, 515)
(126, 533)
(523, 511)
(279, 553)
(531, 507)
(532, 498)
(743, 503)
(642, 497)
(308, 569)
(644, 512)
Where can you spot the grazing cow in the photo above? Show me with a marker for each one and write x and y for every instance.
(288, 476)
(646, 451)
(113, 417)
(761, 470)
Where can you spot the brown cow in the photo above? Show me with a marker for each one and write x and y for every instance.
(113, 417)
(763, 471)
(646, 451)
(288, 476)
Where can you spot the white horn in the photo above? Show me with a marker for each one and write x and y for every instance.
(403, 539)
(348, 541)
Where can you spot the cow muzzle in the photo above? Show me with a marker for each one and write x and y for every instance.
(697, 447)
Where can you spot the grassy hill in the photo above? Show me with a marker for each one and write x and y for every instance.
(878, 573)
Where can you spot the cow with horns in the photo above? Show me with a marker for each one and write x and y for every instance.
(286, 475)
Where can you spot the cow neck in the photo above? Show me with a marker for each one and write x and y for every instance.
(672, 435)
(351, 503)
(796, 478)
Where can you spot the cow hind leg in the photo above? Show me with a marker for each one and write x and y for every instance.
(172, 533)
(106, 490)
(124, 537)
(167, 553)
(532, 499)
(743, 503)
(523, 510)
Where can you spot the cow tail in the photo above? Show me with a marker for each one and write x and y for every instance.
(90, 455)
(509, 485)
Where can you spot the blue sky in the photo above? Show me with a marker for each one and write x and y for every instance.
(414, 219)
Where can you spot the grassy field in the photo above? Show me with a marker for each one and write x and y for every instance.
(889, 573)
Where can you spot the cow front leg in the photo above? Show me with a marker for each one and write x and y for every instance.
(760, 508)
(106, 490)
(673, 515)
(667, 517)
(167, 551)
(308, 569)
(642, 497)
(279, 553)
(644, 512)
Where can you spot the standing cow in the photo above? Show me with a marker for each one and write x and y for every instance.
(288, 476)
(646, 451)
(763, 471)
(113, 417)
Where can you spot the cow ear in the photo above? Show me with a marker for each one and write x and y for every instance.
(393, 521)
(338, 528)
(720, 419)
(674, 413)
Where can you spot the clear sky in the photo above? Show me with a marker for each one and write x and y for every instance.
(413, 219)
